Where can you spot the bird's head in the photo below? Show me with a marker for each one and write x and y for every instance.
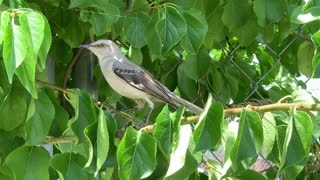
(102, 48)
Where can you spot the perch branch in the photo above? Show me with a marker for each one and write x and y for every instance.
(194, 119)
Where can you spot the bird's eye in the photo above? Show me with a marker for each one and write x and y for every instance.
(102, 45)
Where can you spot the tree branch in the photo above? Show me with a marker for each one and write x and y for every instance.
(194, 119)
(62, 139)
(301, 37)
(260, 109)
(68, 72)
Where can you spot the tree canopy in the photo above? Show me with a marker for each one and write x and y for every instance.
(245, 62)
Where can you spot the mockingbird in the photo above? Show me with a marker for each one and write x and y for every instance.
(130, 80)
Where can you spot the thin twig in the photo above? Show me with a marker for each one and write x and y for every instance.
(211, 166)
(105, 105)
(68, 72)
(301, 37)
(123, 115)
(51, 86)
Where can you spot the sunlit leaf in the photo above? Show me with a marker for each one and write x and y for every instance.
(249, 141)
(296, 143)
(301, 16)
(304, 57)
(269, 133)
(167, 129)
(14, 48)
(102, 139)
(4, 20)
(178, 156)
(136, 155)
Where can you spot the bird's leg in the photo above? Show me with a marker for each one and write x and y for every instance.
(151, 106)
(138, 107)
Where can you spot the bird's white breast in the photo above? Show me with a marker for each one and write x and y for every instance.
(119, 85)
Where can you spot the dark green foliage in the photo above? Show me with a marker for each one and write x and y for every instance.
(210, 52)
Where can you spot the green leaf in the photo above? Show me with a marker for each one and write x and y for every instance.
(197, 65)
(249, 141)
(250, 174)
(316, 58)
(301, 16)
(6, 173)
(190, 165)
(151, 37)
(297, 142)
(70, 166)
(26, 72)
(170, 28)
(269, 11)
(167, 130)
(14, 48)
(83, 125)
(186, 85)
(236, 13)
(101, 21)
(196, 32)
(38, 126)
(134, 25)
(69, 28)
(303, 96)
(4, 20)
(216, 29)
(45, 45)
(15, 101)
(85, 113)
(209, 128)
(269, 133)
(102, 139)
(29, 162)
(248, 32)
(135, 55)
(88, 3)
(139, 4)
(186, 4)
(136, 155)
(178, 156)
(34, 25)
(9, 141)
(304, 57)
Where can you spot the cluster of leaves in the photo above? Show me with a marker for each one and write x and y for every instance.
(232, 49)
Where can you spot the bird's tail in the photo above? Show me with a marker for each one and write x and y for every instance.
(177, 101)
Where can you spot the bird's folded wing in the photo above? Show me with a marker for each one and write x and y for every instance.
(138, 78)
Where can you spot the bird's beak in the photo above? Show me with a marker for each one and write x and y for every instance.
(87, 46)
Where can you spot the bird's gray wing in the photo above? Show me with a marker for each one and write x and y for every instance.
(141, 80)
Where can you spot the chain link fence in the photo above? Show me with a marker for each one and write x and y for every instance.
(313, 86)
